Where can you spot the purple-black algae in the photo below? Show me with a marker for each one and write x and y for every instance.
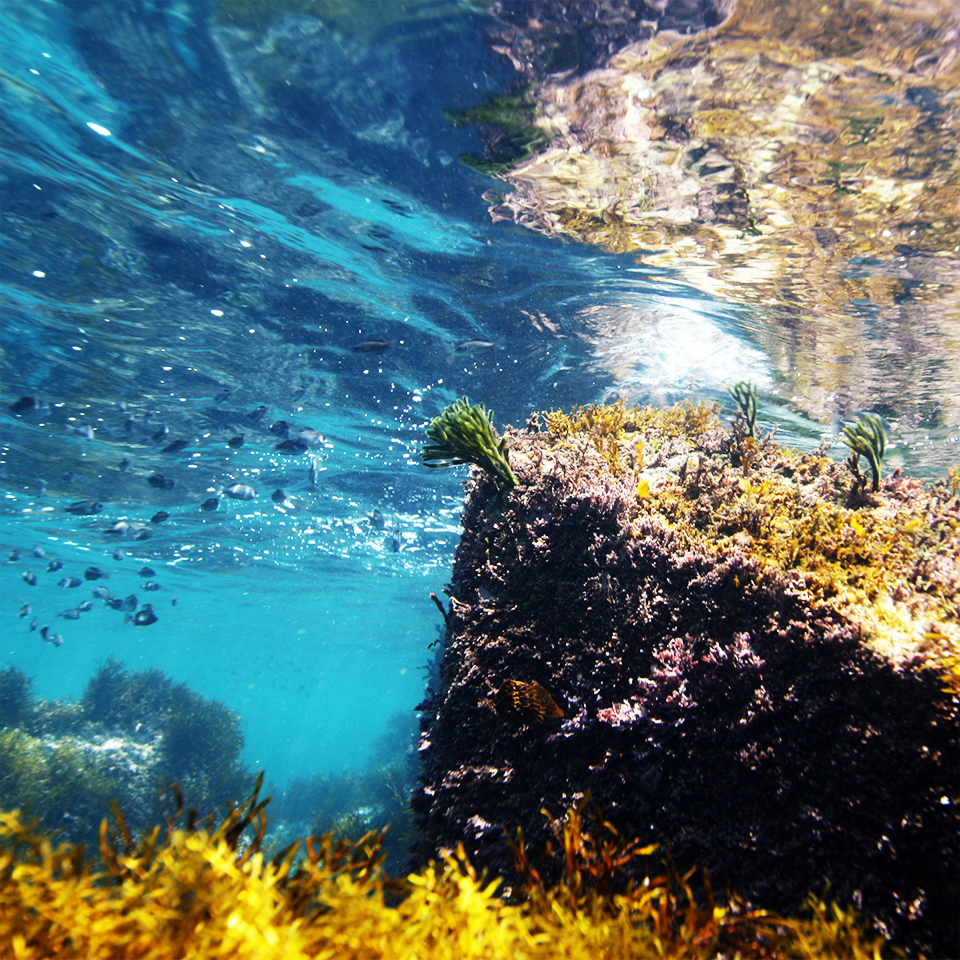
(755, 659)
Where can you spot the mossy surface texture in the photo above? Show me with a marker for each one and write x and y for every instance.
(755, 656)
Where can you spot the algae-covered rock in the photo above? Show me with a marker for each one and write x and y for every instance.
(755, 658)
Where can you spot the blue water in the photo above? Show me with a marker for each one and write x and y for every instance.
(203, 215)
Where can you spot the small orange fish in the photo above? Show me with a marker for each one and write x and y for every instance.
(525, 702)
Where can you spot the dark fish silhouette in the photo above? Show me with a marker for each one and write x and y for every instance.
(25, 610)
(176, 446)
(39, 552)
(124, 463)
(240, 491)
(128, 604)
(53, 566)
(95, 573)
(70, 583)
(161, 433)
(161, 482)
(222, 395)
(160, 516)
(280, 429)
(118, 554)
(30, 579)
(292, 447)
(144, 617)
(102, 593)
(376, 520)
(257, 414)
(372, 346)
(84, 606)
(210, 504)
(278, 496)
(72, 614)
(525, 702)
(84, 507)
(146, 572)
(151, 585)
(236, 441)
(24, 405)
(53, 638)
(13, 556)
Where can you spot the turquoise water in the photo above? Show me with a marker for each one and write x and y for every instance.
(204, 215)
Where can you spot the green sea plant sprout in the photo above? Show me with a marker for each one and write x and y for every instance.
(867, 438)
(465, 434)
(746, 396)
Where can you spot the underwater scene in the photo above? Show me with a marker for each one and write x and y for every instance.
(530, 426)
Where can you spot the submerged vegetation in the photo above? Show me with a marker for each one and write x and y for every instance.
(866, 438)
(211, 891)
(465, 434)
(129, 735)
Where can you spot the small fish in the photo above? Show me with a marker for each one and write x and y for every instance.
(118, 528)
(240, 491)
(475, 346)
(95, 573)
(297, 394)
(525, 702)
(143, 534)
(102, 593)
(144, 617)
(129, 604)
(372, 346)
(53, 638)
(118, 554)
(43, 632)
(39, 552)
(24, 405)
(84, 606)
(312, 475)
(278, 496)
(25, 610)
(174, 601)
(151, 586)
(210, 504)
(236, 441)
(376, 520)
(84, 507)
(124, 463)
(161, 482)
(394, 542)
(13, 556)
(114, 603)
(160, 516)
(30, 579)
(176, 446)
(308, 435)
(292, 447)
(69, 583)
(257, 414)
(280, 429)
(223, 394)
(72, 614)
(34, 623)
(160, 434)
(53, 566)
(146, 572)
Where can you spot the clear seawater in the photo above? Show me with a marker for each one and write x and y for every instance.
(201, 218)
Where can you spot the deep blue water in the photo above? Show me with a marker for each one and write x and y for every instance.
(203, 216)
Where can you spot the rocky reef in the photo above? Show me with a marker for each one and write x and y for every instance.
(740, 651)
